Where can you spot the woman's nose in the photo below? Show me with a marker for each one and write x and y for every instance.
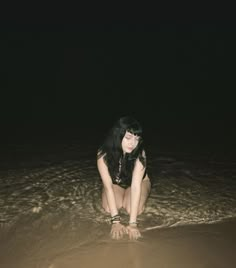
(132, 142)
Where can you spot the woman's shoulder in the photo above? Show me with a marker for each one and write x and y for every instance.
(143, 153)
(100, 152)
(101, 158)
(101, 161)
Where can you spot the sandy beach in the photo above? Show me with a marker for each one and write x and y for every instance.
(51, 214)
(198, 246)
(202, 246)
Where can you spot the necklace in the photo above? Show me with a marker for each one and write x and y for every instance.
(118, 179)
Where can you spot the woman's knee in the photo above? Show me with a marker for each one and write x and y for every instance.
(107, 209)
(140, 210)
(127, 208)
(119, 206)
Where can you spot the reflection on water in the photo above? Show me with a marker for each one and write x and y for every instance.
(54, 198)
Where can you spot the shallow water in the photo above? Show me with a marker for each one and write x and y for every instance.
(50, 198)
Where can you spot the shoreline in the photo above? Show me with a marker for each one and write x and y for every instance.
(195, 246)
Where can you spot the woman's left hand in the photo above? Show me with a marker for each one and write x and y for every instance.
(133, 232)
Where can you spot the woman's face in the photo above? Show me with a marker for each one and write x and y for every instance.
(129, 142)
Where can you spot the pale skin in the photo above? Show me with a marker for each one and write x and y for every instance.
(132, 199)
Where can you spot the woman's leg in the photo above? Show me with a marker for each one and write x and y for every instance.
(119, 196)
(145, 190)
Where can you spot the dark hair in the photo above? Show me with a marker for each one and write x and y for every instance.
(112, 151)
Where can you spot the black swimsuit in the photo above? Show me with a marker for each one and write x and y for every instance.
(125, 182)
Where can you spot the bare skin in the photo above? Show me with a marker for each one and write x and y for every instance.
(122, 197)
(132, 199)
(123, 200)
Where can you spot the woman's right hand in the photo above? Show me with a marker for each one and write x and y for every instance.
(117, 231)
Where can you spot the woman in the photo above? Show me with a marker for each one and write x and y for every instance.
(121, 162)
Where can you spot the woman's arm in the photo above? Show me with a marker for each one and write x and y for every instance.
(135, 193)
(117, 229)
(107, 183)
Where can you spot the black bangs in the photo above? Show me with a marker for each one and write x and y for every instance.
(135, 131)
(135, 128)
(130, 124)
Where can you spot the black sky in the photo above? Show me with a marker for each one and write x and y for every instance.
(170, 73)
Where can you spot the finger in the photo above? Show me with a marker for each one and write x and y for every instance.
(114, 235)
(117, 235)
(134, 235)
(125, 231)
(139, 236)
(120, 234)
(131, 236)
(122, 231)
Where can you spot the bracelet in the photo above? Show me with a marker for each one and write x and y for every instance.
(115, 222)
(133, 223)
(115, 219)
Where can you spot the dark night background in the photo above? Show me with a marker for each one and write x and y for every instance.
(67, 76)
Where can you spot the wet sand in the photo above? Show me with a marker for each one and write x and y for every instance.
(196, 246)
(200, 246)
